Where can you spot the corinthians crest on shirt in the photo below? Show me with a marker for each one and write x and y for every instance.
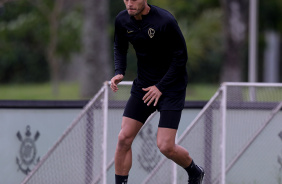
(151, 32)
(27, 153)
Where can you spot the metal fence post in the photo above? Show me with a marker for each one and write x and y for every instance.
(223, 136)
(105, 129)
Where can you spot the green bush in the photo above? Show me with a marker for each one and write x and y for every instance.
(21, 57)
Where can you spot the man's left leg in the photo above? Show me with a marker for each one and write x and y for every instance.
(178, 154)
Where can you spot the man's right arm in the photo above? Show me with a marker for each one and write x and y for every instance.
(120, 53)
(120, 48)
(115, 80)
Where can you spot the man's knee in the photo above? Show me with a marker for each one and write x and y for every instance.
(166, 149)
(124, 141)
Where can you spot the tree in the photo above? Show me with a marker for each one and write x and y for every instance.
(34, 31)
(21, 51)
(95, 39)
(235, 27)
(59, 45)
(270, 13)
(52, 12)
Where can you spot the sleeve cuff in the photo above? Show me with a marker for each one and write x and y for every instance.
(119, 72)
(160, 87)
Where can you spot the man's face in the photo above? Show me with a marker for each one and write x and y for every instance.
(134, 7)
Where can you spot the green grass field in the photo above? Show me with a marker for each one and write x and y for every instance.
(201, 91)
(67, 91)
(71, 91)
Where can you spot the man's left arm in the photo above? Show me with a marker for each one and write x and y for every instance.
(179, 56)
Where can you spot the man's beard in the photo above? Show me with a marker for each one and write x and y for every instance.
(134, 14)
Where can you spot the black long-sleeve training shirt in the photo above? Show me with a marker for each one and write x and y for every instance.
(160, 49)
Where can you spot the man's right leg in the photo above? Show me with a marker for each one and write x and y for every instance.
(123, 154)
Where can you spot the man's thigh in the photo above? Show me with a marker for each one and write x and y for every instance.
(170, 118)
(137, 109)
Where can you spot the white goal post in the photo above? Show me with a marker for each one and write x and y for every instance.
(230, 137)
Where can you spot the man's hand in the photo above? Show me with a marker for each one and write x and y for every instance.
(153, 94)
(115, 80)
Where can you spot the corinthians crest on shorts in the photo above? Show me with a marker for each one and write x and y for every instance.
(149, 155)
(279, 159)
(27, 154)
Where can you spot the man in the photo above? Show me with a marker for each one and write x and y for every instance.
(160, 84)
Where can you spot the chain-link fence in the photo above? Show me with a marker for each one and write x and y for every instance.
(77, 157)
(235, 137)
(253, 122)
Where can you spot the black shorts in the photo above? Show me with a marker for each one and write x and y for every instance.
(138, 110)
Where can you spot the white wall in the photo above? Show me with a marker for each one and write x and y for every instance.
(50, 123)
